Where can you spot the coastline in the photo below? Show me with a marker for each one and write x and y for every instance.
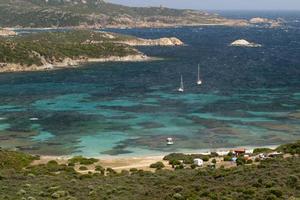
(74, 63)
(126, 162)
(235, 24)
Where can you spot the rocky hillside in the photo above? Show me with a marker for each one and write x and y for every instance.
(52, 50)
(97, 13)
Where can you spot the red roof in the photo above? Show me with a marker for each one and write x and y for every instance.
(241, 150)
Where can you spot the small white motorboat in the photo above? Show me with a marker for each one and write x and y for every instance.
(170, 141)
(34, 119)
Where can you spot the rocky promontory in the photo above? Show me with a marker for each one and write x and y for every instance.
(172, 41)
(271, 23)
(7, 32)
(244, 43)
(56, 50)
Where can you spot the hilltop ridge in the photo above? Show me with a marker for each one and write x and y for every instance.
(99, 14)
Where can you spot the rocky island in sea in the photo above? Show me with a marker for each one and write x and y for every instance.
(54, 50)
(271, 23)
(244, 43)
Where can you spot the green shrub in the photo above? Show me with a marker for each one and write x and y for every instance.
(181, 166)
(205, 158)
(52, 162)
(292, 181)
(111, 171)
(133, 170)
(249, 161)
(174, 163)
(14, 160)
(214, 154)
(262, 150)
(193, 166)
(99, 168)
(293, 148)
(276, 192)
(83, 161)
(186, 158)
(230, 154)
(157, 165)
(227, 158)
(240, 161)
(257, 160)
(83, 168)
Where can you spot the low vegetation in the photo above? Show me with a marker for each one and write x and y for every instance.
(97, 13)
(293, 148)
(82, 160)
(50, 47)
(262, 150)
(157, 165)
(276, 178)
(187, 158)
(14, 160)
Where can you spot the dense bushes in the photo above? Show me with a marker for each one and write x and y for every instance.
(82, 160)
(262, 150)
(275, 178)
(293, 148)
(14, 160)
(56, 46)
(157, 165)
(186, 158)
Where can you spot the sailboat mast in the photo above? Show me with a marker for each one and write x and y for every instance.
(181, 84)
(198, 72)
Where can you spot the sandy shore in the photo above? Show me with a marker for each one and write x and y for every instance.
(143, 162)
(117, 163)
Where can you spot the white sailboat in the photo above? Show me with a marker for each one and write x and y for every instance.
(199, 81)
(181, 88)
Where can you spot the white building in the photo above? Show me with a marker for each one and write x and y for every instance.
(199, 162)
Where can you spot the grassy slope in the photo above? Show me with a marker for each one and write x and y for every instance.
(59, 45)
(272, 179)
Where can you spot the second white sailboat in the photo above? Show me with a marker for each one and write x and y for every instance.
(199, 81)
(181, 88)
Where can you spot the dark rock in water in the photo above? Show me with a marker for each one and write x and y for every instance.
(54, 143)
(117, 150)
(149, 125)
(28, 148)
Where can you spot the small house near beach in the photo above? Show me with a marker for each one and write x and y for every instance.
(199, 162)
(239, 151)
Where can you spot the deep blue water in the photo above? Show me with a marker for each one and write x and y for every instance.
(250, 96)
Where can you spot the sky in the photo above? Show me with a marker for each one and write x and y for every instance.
(217, 4)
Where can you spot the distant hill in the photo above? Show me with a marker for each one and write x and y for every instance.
(97, 13)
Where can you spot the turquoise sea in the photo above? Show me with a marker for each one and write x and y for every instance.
(249, 96)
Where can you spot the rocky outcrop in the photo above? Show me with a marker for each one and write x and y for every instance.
(272, 23)
(173, 41)
(7, 32)
(244, 43)
(258, 20)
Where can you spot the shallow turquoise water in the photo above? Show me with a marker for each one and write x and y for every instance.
(249, 97)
